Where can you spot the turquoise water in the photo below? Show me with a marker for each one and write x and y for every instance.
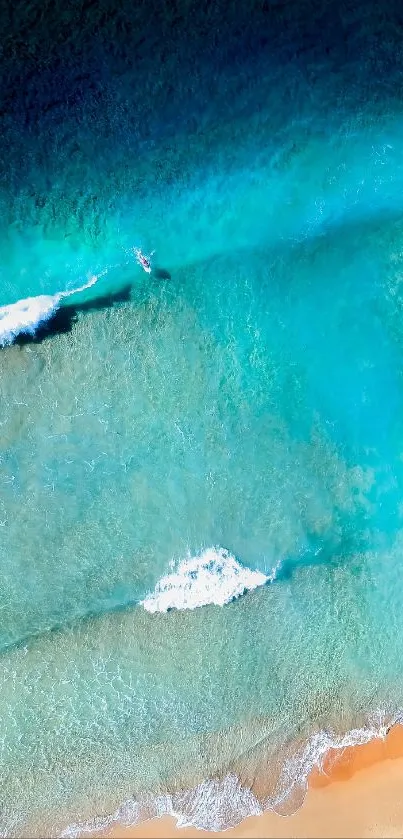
(246, 397)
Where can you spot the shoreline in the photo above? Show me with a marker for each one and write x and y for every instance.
(356, 793)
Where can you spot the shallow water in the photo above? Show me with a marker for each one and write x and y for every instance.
(239, 411)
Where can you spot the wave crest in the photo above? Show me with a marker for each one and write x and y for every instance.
(26, 315)
(214, 577)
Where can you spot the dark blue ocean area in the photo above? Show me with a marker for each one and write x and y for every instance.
(201, 404)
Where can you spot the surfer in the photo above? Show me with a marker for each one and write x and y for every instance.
(143, 260)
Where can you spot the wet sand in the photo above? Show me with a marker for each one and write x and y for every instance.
(360, 794)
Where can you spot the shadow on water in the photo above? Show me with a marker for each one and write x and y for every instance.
(162, 274)
(348, 552)
(65, 317)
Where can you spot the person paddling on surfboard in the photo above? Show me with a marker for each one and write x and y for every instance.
(143, 260)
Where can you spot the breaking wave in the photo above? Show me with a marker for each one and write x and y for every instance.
(214, 577)
(26, 315)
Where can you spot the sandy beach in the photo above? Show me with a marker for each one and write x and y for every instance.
(359, 794)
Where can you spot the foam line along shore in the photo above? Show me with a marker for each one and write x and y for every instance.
(355, 793)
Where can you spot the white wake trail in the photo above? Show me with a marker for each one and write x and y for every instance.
(26, 315)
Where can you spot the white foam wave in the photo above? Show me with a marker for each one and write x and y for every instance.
(26, 315)
(221, 804)
(297, 769)
(213, 577)
(212, 805)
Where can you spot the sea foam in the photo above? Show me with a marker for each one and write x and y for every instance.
(26, 315)
(212, 805)
(219, 804)
(214, 576)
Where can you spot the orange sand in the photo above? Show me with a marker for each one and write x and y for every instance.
(369, 805)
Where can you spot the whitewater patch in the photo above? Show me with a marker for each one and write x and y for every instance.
(213, 577)
(297, 769)
(26, 315)
(212, 805)
(220, 804)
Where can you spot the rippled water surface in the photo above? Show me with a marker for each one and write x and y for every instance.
(200, 469)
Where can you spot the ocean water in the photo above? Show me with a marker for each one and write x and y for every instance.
(201, 469)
